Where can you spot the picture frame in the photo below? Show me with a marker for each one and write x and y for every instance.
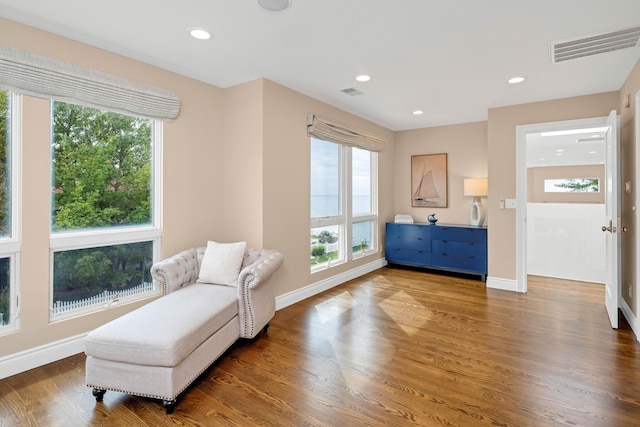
(429, 181)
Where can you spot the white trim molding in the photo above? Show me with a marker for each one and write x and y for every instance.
(38, 356)
(504, 284)
(631, 319)
(298, 295)
(521, 184)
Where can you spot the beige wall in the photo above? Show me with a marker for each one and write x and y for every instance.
(243, 165)
(502, 164)
(192, 157)
(287, 173)
(235, 167)
(466, 148)
(537, 175)
(267, 171)
(629, 203)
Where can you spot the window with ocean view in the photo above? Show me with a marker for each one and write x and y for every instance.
(343, 203)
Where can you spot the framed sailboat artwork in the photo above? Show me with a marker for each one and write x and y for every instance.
(429, 181)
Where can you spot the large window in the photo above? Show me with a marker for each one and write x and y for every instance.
(343, 203)
(104, 222)
(9, 244)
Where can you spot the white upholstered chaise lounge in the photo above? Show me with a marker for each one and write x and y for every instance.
(159, 349)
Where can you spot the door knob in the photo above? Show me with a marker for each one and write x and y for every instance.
(625, 229)
(605, 228)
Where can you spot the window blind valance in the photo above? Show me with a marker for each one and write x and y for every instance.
(40, 76)
(332, 132)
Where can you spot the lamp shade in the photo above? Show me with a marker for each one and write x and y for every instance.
(476, 187)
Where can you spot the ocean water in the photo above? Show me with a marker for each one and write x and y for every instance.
(328, 205)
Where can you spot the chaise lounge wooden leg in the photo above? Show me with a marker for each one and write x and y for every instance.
(264, 330)
(98, 393)
(169, 405)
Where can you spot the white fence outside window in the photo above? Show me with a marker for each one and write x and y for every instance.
(107, 298)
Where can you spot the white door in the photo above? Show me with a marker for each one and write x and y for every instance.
(612, 226)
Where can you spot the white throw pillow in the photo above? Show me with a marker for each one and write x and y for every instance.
(221, 263)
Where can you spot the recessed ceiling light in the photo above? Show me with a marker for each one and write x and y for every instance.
(418, 112)
(274, 5)
(363, 78)
(593, 152)
(199, 33)
(514, 80)
(559, 150)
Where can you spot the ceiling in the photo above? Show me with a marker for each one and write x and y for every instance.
(580, 148)
(450, 59)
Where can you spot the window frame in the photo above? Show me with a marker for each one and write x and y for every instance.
(346, 219)
(551, 185)
(66, 240)
(10, 245)
(372, 216)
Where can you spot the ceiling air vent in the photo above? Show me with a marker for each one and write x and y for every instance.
(351, 91)
(594, 45)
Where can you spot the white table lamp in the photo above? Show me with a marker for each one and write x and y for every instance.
(476, 187)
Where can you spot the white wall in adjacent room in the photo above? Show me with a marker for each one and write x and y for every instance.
(565, 240)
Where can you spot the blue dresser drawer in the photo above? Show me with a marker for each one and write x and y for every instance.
(462, 249)
(459, 263)
(459, 234)
(408, 256)
(408, 236)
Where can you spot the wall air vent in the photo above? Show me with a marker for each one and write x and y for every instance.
(595, 45)
(351, 91)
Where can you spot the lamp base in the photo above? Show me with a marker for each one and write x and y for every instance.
(476, 217)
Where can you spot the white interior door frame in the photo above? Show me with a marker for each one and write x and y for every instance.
(636, 327)
(521, 184)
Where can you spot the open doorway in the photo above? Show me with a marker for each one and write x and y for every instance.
(566, 204)
(562, 222)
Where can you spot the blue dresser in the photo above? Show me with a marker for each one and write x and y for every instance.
(449, 247)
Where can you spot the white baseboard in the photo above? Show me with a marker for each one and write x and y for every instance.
(48, 353)
(38, 356)
(298, 295)
(631, 319)
(504, 284)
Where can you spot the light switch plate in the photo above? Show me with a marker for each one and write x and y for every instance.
(510, 203)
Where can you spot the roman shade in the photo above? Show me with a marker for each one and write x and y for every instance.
(327, 131)
(44, 77)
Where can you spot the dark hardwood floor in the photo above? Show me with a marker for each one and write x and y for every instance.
(395, 348)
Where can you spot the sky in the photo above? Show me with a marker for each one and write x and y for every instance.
(324, 170)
